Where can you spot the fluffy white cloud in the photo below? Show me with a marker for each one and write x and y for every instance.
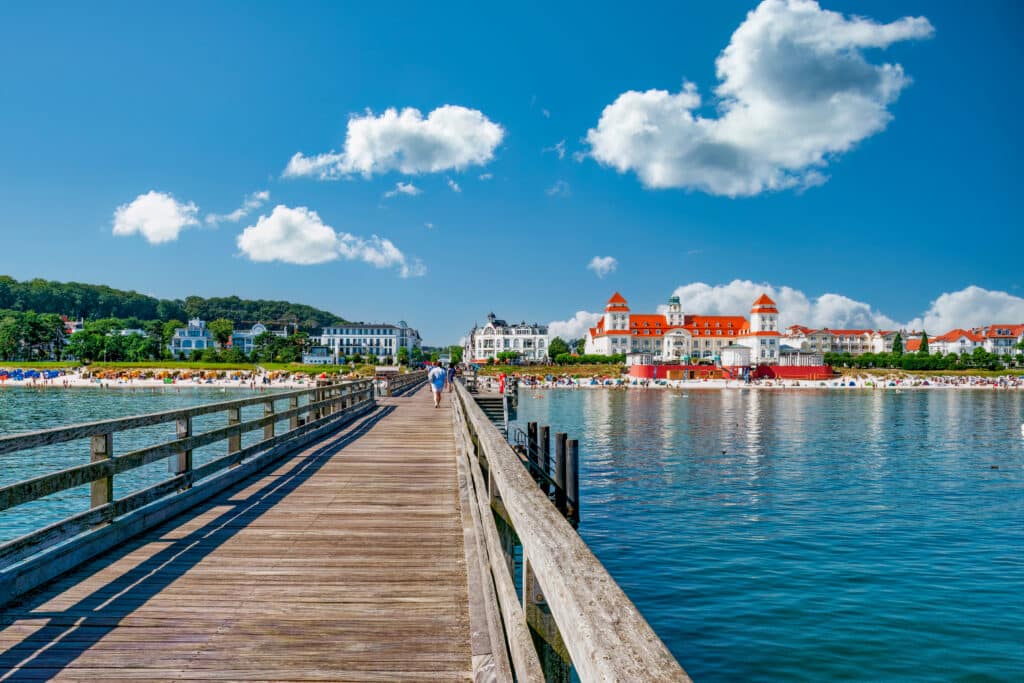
(454, 185)
(450, 137)
(404, 188)
(157, 216)
(486, 176)
(298, 235)
(970, 307)
(575, 327)
(794, 91)
(603, 265)
(795, 307)
(249, 204)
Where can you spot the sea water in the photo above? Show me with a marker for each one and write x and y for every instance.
(779, 535)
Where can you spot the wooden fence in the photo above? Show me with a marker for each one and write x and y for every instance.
(557, 610)
(44, 553)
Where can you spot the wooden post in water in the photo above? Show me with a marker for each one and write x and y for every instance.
(560, 474)
(182, 462)
(545, 455)
(572, 481)
(531, 441)
(268, 429)
(234, 441)
(547, 640)
(101, 491)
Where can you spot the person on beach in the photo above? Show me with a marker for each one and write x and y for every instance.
(437, 378)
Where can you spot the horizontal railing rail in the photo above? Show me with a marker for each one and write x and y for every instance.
(572, 613)
(400, 383)
(327, 402)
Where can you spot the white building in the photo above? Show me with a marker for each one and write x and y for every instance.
(530, 341)
(853, 342)
(677, 336)
(245, 340)
(188, 339)
(364, 339)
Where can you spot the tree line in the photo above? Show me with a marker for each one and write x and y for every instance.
(94, 302)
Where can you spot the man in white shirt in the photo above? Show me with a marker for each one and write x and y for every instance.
(437, 377)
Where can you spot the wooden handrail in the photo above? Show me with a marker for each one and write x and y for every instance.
(604, 633)
(329, 401)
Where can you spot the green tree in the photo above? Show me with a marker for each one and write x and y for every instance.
(10, 337)
(580, 345)
(167, 330)
(417, 354)
(403, 356)
(923, 349)
(897, 345)
(222, 329)
(557, 347)
(235, 355)
(455, 352)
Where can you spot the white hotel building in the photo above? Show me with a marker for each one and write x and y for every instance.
(530, 341)
(677, 336)
(378, 339)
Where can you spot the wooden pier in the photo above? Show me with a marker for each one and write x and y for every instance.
(375, 539)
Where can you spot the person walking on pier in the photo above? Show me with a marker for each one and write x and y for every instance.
(451, 378)
(437, 377)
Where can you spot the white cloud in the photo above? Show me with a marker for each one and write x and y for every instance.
(157, 216)
(603, 265)
(795, 307)
(298, 235)
(404, 188)
(449, 138)
(546, 113)
(559, 189)
(486, 176)
(794, 91)
(972, 306)
(249, 204)
(454, 185)
(558, 148)
(575, 327)
(430, 226)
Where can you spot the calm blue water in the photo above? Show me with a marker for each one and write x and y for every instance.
(25, 409)
(810, 535)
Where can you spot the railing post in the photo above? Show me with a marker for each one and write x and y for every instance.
(545, 455)
(182, 462)
(268, 429)
(101, 491)
(572, 481)
(560, 474)
(293, 421)
(531, 441)
(547, 640)
(235, 440)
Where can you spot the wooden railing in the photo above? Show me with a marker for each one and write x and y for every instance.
(572, 615)
(35, 557)
(400, 383)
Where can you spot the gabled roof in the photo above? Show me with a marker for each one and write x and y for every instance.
(954, 335)
(617, 299)
(764, 300)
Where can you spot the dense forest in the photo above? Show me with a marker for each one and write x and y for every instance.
(93, 302)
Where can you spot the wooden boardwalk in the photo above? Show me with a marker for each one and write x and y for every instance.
(346, 562)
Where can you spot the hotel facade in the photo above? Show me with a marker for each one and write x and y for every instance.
(485, 342)
(677, 336)
(378, 339)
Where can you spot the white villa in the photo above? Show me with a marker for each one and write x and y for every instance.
(188, 339)
(678, 336)
(244, 340)
(530, 341)
(378, 339)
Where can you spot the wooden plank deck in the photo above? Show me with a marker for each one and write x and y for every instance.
(344, 563)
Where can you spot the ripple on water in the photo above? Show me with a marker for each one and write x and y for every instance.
(840, 535)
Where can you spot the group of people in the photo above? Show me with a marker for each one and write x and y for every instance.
(439, 379)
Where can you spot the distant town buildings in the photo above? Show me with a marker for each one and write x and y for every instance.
(244, 340)
(998, 339)
(378, 339)
(530, 341)
(678, 336)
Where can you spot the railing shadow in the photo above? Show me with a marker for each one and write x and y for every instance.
(94, 616)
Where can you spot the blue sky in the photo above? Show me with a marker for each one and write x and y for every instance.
(208, 103)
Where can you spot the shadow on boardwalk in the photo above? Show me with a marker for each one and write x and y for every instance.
(71, 632)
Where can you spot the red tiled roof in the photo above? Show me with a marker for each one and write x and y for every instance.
(763, 300)
(956, 334)
(913, 344)
(617, 299)
(848, 332)
(1014, 331)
